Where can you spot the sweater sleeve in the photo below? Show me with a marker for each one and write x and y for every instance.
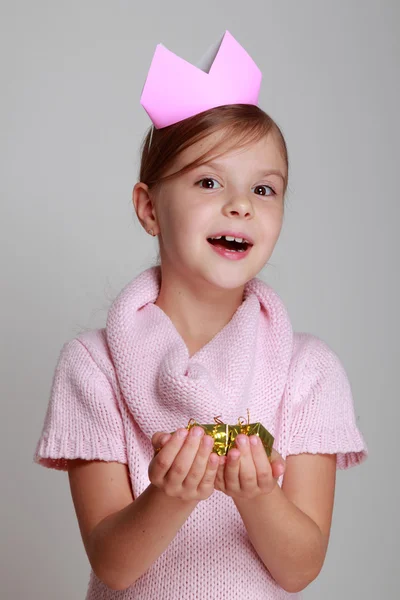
(83, 419)
(324, 420)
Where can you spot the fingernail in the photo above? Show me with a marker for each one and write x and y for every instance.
(197, 431)
(207, 441)
(164, 439)
(242, 441)
(254, 440)
(182, 433)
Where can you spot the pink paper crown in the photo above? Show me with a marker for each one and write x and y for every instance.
(175, 89)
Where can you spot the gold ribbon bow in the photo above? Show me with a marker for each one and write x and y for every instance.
(224, 435)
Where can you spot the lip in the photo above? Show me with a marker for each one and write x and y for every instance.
(229, 254)
(237, 234)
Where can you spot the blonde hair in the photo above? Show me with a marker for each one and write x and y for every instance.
(243, 124)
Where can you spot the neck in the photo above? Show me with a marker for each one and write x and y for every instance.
(198, 312)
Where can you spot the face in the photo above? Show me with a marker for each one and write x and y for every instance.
(241, 192)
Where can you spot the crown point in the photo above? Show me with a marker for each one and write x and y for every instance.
(176, 90)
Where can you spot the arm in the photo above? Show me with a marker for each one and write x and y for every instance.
(124, 545)
(124, 536)
(289, 528)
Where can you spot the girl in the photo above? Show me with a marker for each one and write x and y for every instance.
(199, 335)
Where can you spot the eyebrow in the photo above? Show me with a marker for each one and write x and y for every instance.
(260, 173)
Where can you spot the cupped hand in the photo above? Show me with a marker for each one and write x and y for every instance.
(246, 471)
(185, 467)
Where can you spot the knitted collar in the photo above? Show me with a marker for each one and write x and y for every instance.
(244, 366)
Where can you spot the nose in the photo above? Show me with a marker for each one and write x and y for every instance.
(239, 205)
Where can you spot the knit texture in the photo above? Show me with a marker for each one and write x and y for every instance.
(114, 387)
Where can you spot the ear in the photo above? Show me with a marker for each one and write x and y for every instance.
(144, 207)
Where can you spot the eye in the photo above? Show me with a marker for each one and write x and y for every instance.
(264, 190)
(208, 183)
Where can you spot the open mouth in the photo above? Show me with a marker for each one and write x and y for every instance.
(230, 244)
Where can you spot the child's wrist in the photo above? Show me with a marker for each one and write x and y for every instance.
(172, 501)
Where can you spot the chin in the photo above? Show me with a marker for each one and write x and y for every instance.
(228, 278)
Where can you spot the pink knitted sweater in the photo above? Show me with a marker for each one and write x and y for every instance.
(114, 387)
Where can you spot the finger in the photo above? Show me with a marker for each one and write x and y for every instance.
(278, 464)
(199, 464)
(219, 478)
(159, 439)
(261, 462)
(208, 480)
(231, 472)
(164, 439)
(162, 461)
(247, 469)
(185, 457)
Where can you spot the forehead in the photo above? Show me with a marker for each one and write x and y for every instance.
(265, 152)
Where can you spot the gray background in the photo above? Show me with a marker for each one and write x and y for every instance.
(71, 78)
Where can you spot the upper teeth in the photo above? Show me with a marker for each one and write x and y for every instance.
(229, 238)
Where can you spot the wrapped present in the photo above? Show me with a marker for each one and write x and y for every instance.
(224, 435)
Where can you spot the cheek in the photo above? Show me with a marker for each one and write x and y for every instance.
(172, 217)
(181, 231)
(277, 225)
(272, 221)
(193, 220)
(273, 216)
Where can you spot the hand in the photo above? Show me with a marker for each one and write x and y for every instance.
(246, 472)
(185, 467)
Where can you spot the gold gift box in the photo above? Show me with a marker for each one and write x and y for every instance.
(224, 435)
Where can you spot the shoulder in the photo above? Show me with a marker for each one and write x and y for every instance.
(88, 353)
(307, 346)
(83, 418)
(314, 363)
(323, 417)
